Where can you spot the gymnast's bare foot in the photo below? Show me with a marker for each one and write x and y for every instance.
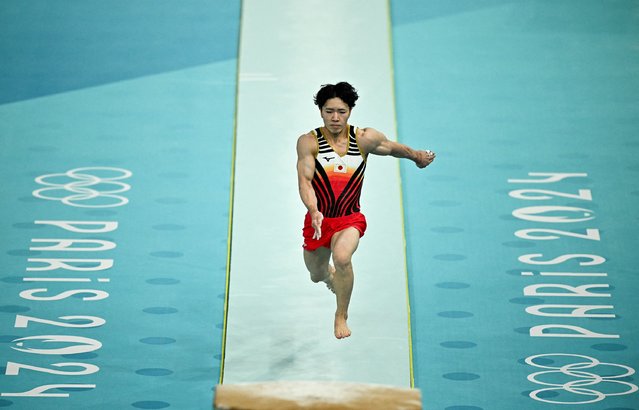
(329, 278)
(341, 328)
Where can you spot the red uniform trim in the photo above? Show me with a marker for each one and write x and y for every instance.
(330, 226)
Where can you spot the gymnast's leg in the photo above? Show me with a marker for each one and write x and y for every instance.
(343, 245)
(317, 263)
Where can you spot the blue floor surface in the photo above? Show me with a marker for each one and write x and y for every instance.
(124, 113)
(501, 89)
(146, 90)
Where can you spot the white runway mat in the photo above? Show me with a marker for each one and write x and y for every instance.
(280, 324)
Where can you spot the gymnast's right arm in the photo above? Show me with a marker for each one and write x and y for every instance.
(306, 147)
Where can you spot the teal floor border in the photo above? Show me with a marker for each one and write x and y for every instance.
(147, 154)
(500, 89)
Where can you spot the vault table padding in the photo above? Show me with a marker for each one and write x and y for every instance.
(315, 396)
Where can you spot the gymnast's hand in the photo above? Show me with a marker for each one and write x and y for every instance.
(316, 222)
(424, 158)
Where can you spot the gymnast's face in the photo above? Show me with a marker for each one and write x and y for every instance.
(335, 114)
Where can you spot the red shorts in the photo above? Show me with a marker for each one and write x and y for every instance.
(330, 226)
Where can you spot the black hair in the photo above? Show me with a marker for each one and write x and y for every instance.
(342, 90)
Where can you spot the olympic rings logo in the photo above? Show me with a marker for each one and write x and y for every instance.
(88, 187)
(576, 368)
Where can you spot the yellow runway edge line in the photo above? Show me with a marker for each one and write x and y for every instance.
(229, 239)
(401, 193)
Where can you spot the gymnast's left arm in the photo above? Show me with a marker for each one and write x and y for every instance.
(374, 142)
